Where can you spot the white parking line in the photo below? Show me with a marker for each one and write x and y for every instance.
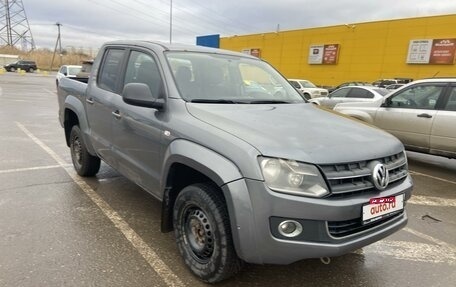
(431, 201)
(411, 251)
(29, 168)
(138, 243)
(50, 92)
(430, 238)
(433, 177)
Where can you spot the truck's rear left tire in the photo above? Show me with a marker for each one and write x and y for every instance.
(203, 233)
(84, 163)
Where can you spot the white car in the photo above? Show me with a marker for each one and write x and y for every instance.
(351, 94)
(308, 89)
(69, 71)
(421, 114)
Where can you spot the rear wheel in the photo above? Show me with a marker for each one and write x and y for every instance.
(84, 163)
(203, 233)
(31, 70)
(12, 69)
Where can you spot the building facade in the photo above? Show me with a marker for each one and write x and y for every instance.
(404, 48)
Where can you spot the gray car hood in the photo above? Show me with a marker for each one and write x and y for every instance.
(301, 132)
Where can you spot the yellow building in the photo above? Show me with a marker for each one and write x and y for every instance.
(366, 51)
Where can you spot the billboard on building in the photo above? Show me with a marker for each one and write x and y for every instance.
(253, 52)
(323, 54)
(432, 51)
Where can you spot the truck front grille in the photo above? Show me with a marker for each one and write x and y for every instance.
(353, 178)
(349, 227)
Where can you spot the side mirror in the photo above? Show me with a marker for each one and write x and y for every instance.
(385, 103)
(65, 74)
(139, 94)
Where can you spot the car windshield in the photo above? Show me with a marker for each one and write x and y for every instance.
(226, 79)
(73, 70)
(307, 84)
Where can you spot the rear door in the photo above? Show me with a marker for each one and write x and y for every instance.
(443, 133)
(357, 94)
(335, 97)
(100, 94)
(409, 114)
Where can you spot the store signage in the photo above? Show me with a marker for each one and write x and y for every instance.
(323, 54)
(254, 52)
(432, 51)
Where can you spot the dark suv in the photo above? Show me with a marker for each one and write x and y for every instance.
(29, 66)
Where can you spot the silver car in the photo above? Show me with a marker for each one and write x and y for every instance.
(421, 114)
(351, 94)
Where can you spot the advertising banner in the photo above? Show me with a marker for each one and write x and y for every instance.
(323, 54)
(432, 51)
(330, 54)
(316, 54)
(443, 51)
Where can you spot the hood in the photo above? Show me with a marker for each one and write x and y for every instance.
(300, 132)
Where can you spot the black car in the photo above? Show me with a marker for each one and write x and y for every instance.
(28, 66)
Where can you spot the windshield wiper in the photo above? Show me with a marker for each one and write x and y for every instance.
(216, 101)
(268, 102)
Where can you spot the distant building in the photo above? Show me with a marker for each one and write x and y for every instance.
(7, 59)
(414, 48)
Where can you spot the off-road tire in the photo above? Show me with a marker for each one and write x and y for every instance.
(84, 163)
(203, 233)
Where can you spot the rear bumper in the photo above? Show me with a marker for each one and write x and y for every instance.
(255, 212)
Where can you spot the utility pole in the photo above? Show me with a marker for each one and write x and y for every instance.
(59, 44)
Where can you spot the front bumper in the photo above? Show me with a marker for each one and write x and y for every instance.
(255, 211)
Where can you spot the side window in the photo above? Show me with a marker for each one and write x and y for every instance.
(110, 71)
(451, 105)
(417, 97)
(342, 93)
(295, 84)
(142, 68)
(360, 94)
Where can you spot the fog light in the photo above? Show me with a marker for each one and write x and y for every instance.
(290, 228)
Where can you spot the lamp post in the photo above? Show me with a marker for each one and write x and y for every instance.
(171, 21)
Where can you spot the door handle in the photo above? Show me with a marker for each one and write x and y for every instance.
(117, 114)
(90, 101)
(427, 116)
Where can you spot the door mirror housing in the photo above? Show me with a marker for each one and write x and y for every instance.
(139, 94)
(385, 103)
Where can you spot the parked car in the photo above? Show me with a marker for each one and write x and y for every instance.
(69, 71)
(394, 86)
(355, 83)
(308, 89)
(351, 94)
(421, 114)
(242, 176)
(384, 82)
(28, 66)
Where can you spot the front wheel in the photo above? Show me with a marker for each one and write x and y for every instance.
(84, 163)
(31, 70)
(203, 233)
(12, 69)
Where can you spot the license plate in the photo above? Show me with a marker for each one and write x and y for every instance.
(373, 212)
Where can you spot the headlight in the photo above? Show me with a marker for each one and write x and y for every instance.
(292, 177)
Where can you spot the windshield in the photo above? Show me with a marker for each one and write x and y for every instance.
(307, 84)
(214, 78)
(73, 70)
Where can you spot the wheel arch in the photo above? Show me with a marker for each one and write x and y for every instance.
(187, 163)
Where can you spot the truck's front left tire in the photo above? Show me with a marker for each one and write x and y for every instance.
(84, 163)
(203, 233)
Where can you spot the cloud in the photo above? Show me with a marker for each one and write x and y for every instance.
(90, 23)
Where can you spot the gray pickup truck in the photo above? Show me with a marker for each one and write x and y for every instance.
(243, 174)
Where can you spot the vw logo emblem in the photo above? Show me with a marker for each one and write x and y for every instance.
(380, 177)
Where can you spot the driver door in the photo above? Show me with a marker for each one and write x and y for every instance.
(410, 113)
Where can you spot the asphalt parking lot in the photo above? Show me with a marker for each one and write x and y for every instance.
(58, 229)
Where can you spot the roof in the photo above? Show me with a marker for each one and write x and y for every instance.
(178, 47)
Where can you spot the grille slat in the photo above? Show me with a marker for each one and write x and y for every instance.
(355, 177)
